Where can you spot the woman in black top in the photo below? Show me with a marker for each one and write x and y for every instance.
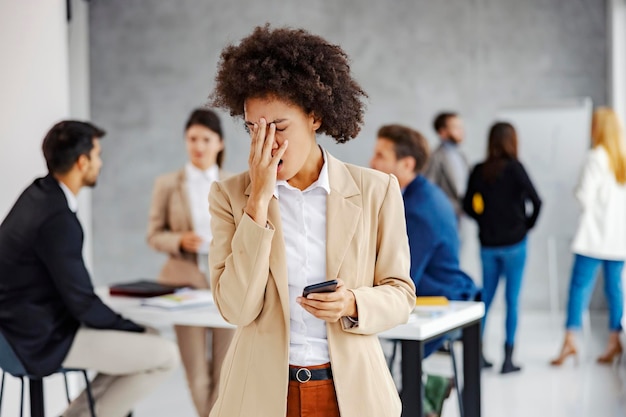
(497, 192)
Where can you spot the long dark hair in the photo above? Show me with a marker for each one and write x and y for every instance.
(209, 119)
(502, 148)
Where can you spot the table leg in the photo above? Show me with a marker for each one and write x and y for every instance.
(36, 397)
(412, 387)
(471, 370)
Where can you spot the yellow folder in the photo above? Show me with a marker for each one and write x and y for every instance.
(431, 301)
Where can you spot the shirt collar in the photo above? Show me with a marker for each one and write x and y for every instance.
(321, 182)
(72, 201)
(194, 173)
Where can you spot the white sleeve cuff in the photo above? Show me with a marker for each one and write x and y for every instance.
(349, 322)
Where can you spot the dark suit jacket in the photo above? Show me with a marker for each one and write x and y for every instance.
(45, 289)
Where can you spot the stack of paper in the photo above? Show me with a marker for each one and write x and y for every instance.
(430, 306)
(180, 300)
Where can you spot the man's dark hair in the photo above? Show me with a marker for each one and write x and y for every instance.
(441, 120)
(209, 119)
(407, 142)
(66, 142)
(295, 66)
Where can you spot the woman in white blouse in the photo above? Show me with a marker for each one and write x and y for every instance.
(179, 225)
(601, 235)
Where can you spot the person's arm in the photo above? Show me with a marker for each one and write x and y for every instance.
(239, 259)
(59, 246)
(239, 256)
(423, 242)
(468, 200)
(159, 235)
(530, 192)
(392, 297)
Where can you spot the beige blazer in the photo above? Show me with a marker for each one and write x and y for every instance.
(169, 217)
(367, 247)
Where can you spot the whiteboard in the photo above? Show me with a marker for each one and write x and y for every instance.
(553, 140)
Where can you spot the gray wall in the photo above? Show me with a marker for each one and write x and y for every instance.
(153, 61)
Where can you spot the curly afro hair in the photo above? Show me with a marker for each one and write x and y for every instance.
(296, 66)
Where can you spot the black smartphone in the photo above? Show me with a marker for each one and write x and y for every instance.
(326, 286)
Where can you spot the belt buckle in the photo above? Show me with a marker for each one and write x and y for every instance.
(307, 374)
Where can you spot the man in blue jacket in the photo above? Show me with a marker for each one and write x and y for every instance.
(49, 312)
(430, 222)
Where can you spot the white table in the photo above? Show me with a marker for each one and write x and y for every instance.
(422, 327)
(131, 308)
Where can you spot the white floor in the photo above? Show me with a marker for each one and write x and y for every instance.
(583, 389)
(586, 389)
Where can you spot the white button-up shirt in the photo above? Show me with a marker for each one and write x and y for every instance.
(198, 187)
(303, 216)
(72, 201)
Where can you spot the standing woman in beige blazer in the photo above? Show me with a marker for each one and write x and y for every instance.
(179, 225)
(300, 217)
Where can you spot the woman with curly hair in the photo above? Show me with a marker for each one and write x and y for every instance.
(298, 217)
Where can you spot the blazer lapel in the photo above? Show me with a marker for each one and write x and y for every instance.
(343, 214)
(184, 199)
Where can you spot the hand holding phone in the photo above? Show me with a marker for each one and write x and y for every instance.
(329, 300)
(326, 286)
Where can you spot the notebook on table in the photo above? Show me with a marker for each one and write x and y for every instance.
(430, 306)
(182, 299)
(142, 288)
(431, 301)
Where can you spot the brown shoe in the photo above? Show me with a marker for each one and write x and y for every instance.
(568, 349)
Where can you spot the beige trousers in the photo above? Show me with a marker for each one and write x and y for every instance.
(129, 365)
(203, 374)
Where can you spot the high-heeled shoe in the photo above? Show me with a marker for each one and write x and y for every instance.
(567, 350)
(615, 352)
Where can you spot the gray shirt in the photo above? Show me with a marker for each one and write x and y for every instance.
(448, 169)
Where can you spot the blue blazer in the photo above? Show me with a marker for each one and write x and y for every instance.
(434, 243)
(45, 289)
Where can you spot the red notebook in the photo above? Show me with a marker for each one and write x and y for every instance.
(142, 288)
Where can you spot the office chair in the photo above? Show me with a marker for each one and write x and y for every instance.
(11, 364)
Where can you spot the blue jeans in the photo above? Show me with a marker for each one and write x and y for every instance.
(581, 288)
(507, 261)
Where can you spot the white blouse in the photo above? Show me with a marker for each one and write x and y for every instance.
(303, 218)
(602, 227)
(198, 186)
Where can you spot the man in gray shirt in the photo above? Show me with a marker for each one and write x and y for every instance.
(448, 167)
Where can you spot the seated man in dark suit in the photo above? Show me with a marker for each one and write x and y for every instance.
(49, 312)
(430, 221)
